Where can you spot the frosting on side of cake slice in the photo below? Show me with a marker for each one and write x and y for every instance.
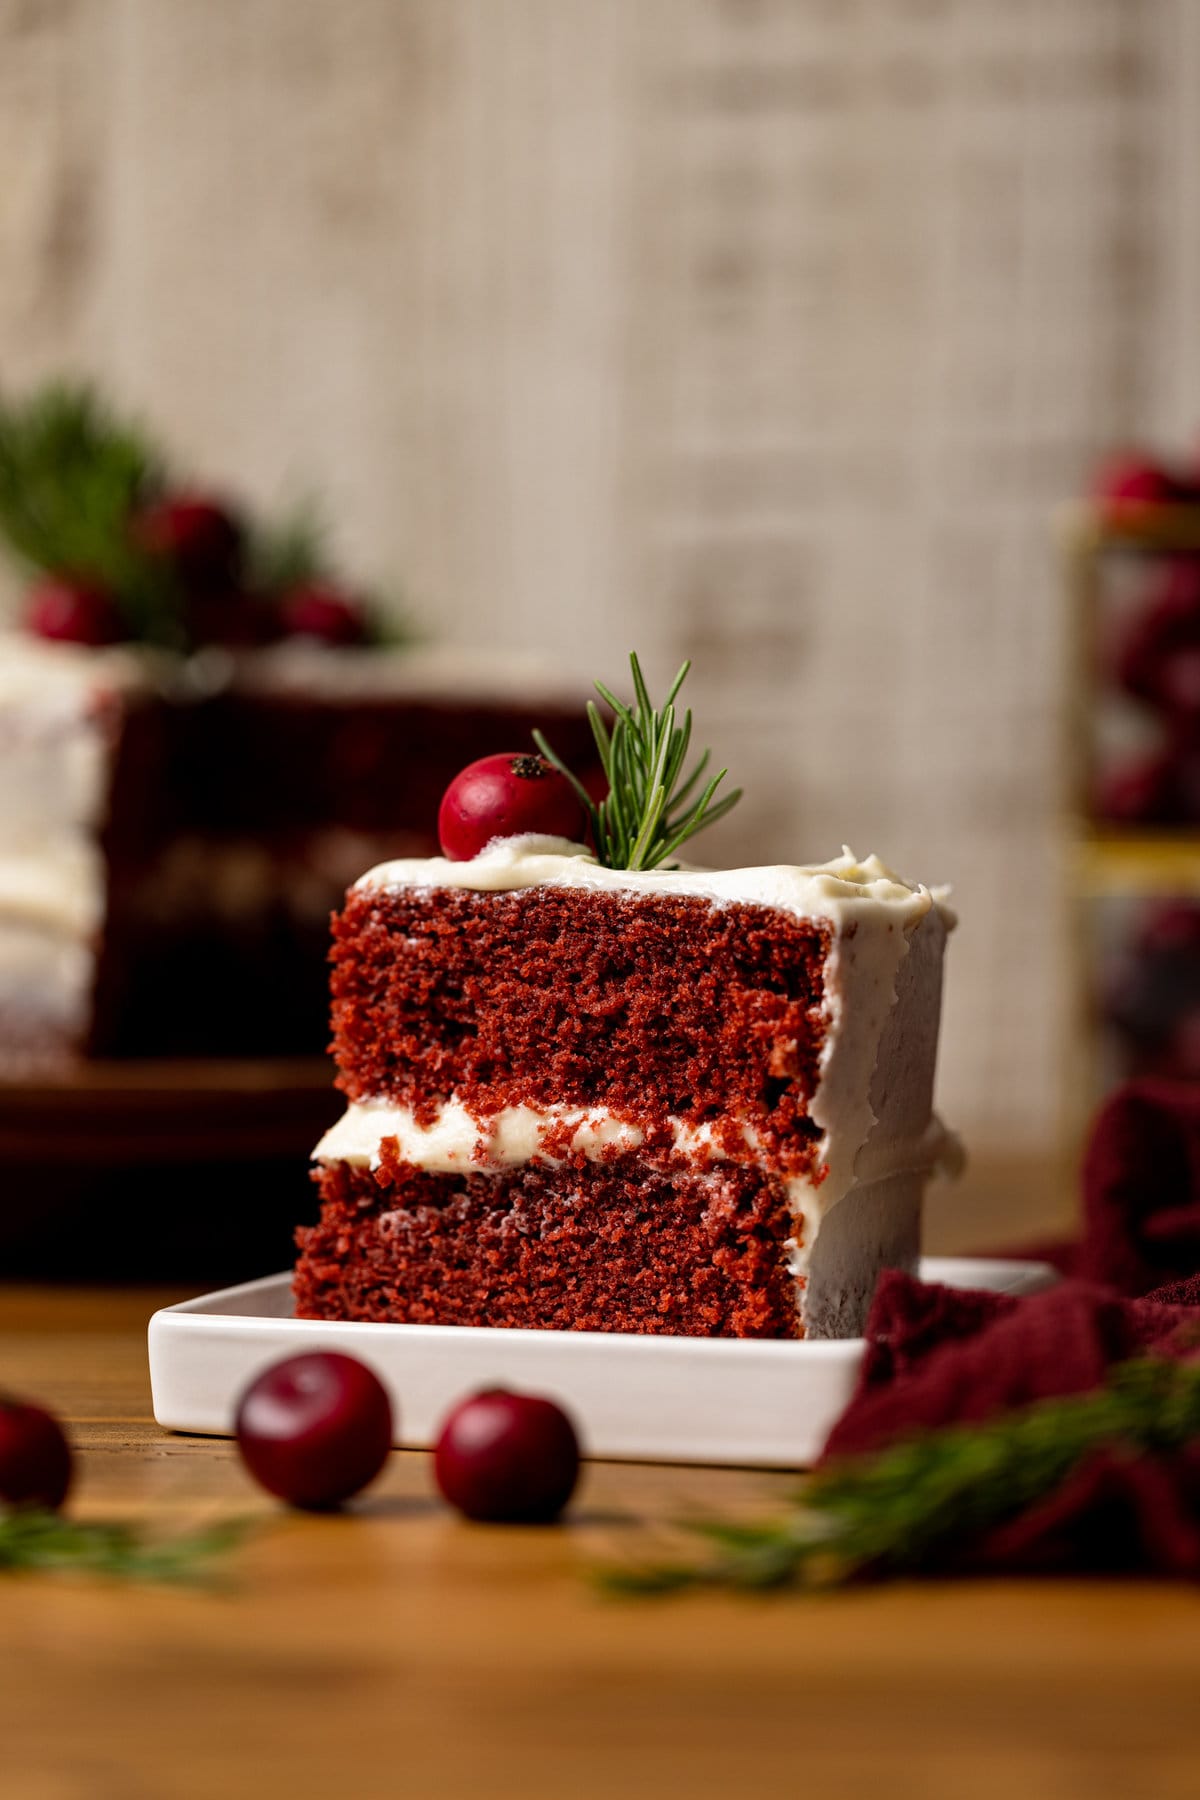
(878, 1137)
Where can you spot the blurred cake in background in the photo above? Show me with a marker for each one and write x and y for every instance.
(204, 736)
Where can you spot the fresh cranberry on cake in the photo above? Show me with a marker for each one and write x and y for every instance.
(597, 1089)
(516, 794)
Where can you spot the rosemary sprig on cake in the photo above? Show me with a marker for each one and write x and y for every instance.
(929, 1501)
(651, 808)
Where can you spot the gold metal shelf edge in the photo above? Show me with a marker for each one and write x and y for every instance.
(1142, 863)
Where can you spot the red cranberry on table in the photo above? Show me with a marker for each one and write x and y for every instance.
(72, 612)
(508, 795)
(315, 1429)
(322, 611)
(35, 1458)
(199, 536)
(507, 1458)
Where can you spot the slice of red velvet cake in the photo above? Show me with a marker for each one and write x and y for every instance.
(588, 1098)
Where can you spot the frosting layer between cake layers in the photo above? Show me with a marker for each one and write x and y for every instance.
(877, 1139)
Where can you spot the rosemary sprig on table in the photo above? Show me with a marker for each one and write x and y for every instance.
(649, 810)
(918, 1503)
(33, 1539)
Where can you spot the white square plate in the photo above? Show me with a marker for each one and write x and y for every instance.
(754, 1401)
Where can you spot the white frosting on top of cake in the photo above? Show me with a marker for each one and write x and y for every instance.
(873, 1099)
(838, 890)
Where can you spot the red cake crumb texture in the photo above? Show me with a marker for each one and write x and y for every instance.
(645, 1244)
(652, 1007)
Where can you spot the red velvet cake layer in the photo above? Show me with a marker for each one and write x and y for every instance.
(550, 996)
(626, 1245)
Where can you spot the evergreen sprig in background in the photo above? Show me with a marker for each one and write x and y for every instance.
(72, 475)
(75, 479)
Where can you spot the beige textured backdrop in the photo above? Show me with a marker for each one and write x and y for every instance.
(768, 331)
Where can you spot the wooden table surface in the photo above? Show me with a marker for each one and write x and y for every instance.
(399, 1651)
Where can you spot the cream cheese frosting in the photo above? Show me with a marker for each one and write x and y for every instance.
(839, 890)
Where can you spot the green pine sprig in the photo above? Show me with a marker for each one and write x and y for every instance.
(71, 474)
(35, 1540)
(649, 810)
(922, 1502)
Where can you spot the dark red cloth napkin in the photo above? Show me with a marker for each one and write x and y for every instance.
(1141, 1189)
(940, 1356)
